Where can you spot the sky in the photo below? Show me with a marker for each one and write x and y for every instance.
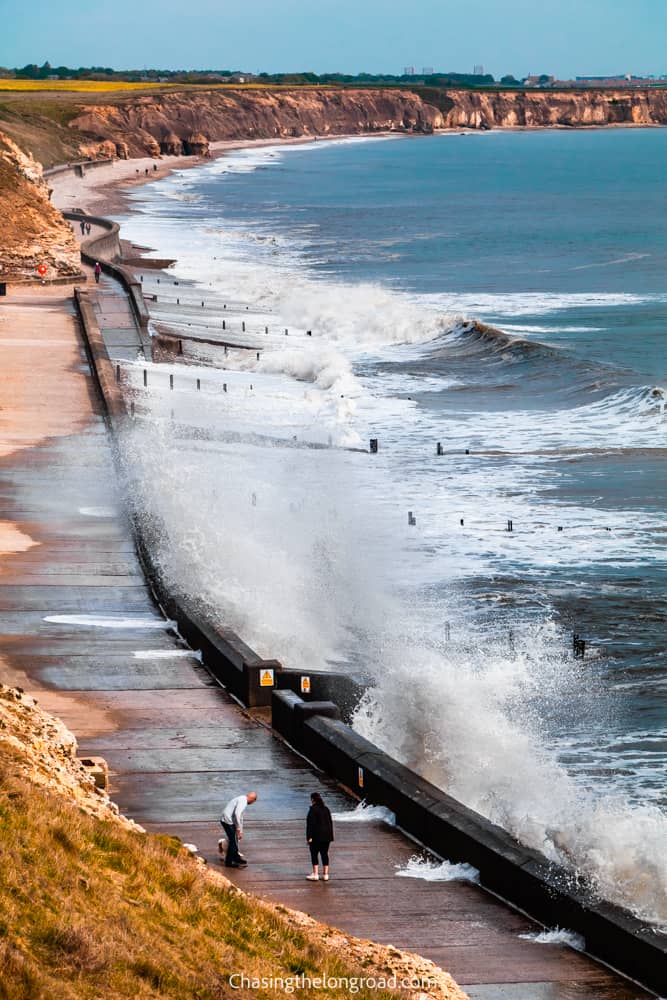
(565, 37)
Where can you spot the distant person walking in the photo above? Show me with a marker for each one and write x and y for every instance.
(82, 224)
(319, 834)
(87, 229)
(232, 824)
(98, 271)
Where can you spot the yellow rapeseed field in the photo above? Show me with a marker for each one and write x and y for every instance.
(78, 85)
(93, 86)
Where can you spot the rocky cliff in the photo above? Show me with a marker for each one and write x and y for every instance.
(185, 122)
(32, 232)
(544, 109)
(48, 756)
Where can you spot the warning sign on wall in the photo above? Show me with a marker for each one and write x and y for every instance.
(305, 685)
(266, 678)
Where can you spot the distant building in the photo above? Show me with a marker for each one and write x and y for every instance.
(613, 77)
(427, 70)
(409, 71)
(539, 81)
(478, 70)
(619, 80)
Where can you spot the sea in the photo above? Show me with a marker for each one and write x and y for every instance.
(492, 309)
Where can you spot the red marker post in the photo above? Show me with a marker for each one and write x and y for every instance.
(41, 270)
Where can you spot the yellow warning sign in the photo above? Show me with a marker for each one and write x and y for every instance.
(266, 678)
(305, 685)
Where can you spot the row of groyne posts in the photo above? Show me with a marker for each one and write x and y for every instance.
(412, 518)
(202, 305)
(373, 448)
(578, 644)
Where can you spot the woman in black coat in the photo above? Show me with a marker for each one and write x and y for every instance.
(319, 834)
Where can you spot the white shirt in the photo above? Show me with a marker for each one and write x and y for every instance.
(232, 814)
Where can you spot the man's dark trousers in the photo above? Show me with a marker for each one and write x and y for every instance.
(232, 855)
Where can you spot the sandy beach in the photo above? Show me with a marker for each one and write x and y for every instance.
(102, 190)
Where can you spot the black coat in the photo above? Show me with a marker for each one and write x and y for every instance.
(319, 825)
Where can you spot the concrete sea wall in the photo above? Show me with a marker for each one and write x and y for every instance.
(105, 247)
(79, 168)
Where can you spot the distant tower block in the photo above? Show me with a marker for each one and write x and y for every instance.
(409, 71)
(427, 71)
(478, 69)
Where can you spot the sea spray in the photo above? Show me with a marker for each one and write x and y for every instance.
(296, 571)
(437, 871)
(473, 724)
(557, 936)
(364, 812)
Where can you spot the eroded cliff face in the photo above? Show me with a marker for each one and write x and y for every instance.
(185, 122)
(32, 231)
(543, 109)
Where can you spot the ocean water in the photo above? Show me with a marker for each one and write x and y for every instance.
(502, 295)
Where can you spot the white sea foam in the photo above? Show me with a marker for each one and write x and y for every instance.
(110, 621)
(364, 813)
(166, 654)
(557, 936)
(536, 303)
(540, 329)
(98, 511)
(437, 871)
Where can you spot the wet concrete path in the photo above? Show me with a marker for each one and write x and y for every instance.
(78, 627)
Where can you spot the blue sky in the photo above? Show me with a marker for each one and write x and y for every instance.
(564, 37)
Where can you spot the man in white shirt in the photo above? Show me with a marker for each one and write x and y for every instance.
(232, 824)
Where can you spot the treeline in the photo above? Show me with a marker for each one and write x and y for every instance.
(45, 72)
(375, 79)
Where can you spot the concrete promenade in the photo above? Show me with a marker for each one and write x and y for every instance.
(176, 744)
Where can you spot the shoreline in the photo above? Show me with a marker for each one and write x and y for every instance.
(107, 189)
